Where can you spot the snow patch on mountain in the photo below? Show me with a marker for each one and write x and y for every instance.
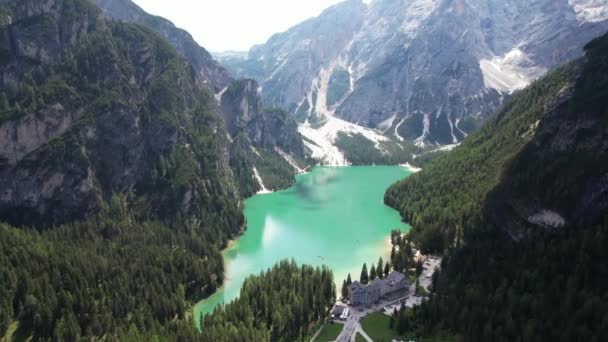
(509, 72)
(323, 148)
(591, 11)
(411, 168)
(321, 85)
(444, 148)
(547, 218)
(426, 124)
(400, 138)
(289, 159)
(219, 95)
(387, 124)
(454, 139)
(257, 176)
(351, 79)
(418, 56)
(324, 139)
(255, 150)
(458, 128)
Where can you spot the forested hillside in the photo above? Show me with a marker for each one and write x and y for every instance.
(281, 304)
(114, 161)
(107, 276)
(451, 191)
(520, 213)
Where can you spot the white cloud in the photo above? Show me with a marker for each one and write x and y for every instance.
(222, 25)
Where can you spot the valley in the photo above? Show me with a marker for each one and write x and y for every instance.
(330, 216)
(151, 190)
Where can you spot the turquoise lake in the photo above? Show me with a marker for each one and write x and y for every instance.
(332, 215)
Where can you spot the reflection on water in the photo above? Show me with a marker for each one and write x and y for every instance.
(332, 216)
(271, 231)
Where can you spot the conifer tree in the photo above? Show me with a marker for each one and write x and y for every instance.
(402, 323)
(380, 268)
(372, 273)
(364, 278)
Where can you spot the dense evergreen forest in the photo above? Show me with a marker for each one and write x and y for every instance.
(121, 217)
(449, 194)
(550, 287)
(281, 304)
(130, 238)
(508, 275)
(107, 276)
(116, 217)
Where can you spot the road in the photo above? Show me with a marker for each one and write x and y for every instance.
(351, 324)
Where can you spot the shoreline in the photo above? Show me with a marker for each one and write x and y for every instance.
(410, 167)
(231, 243)
(383, 249)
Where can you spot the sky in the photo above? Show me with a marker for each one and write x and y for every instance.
(222, 25)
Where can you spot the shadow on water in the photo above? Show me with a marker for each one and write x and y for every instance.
(307, 191)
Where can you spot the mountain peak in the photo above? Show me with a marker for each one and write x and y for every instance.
(209, 70)
(436, 69)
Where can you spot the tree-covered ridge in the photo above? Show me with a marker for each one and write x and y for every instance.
(116, 155)
(280, 304)
(107, 276)
(549, 287)
(564, 167)
(511, 275)
(450, 192)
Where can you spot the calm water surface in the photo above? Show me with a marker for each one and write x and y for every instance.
(332, 216)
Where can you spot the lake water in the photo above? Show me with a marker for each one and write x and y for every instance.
(331, 216)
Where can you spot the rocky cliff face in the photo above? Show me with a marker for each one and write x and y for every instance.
(427, 71)
(265, 142)
(263, 129)
(92, 108)
(243, 112)
(539, 164)
(210, 71)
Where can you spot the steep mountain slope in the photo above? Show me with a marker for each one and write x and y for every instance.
(116, 154)
(210, 71)
(427, 71)
(325, 147)
(265, 141)
(92, 111)
(475, 167)
(277, 172)
(519, 210)
(538, 162)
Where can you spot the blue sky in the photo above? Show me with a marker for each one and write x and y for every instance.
(234, 24)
